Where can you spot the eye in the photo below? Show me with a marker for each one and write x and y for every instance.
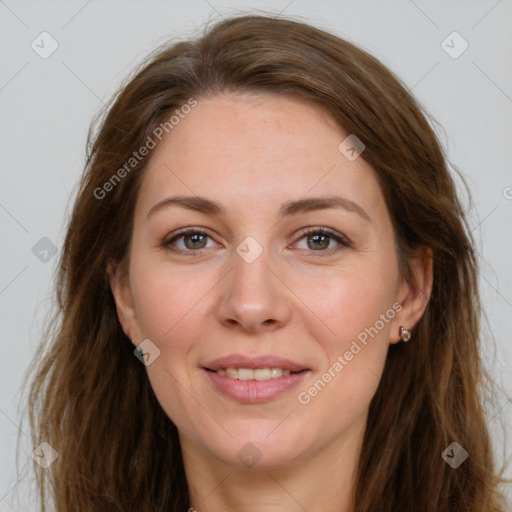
(316, 239)
(191, 240)
(321, 239)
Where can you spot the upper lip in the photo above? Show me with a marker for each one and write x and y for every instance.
(264, 361)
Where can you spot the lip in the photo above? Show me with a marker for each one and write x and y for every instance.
(254, 391)
(264, 361)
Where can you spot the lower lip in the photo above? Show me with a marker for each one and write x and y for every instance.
(255, 391)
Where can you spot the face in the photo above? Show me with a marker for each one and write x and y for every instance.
(257, 275)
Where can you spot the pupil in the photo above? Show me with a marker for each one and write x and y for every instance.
(194, 239)
(319, 238)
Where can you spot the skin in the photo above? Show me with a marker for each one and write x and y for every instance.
(251, 153)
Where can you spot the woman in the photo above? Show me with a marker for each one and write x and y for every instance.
(267, 294)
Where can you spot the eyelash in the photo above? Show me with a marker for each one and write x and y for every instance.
(344, 242)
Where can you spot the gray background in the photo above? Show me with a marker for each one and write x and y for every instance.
(47, 105)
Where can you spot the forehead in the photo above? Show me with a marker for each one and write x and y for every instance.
(238, 149)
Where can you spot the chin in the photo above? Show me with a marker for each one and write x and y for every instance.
(262, 447)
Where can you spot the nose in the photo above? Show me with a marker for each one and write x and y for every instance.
(253, 297)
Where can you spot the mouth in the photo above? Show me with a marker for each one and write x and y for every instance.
(254, 380)
(259, 374)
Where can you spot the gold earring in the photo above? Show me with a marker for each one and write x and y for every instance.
(405, 333)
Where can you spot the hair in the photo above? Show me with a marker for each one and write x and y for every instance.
(91, 399)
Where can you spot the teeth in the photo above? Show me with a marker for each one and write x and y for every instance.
(277, 372)
(257, 374)
(232, 372)
(245, 374)
(262, 374)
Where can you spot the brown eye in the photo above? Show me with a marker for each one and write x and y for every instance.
(188, 241)
(323, 241)
(194, 241)
(318, 241)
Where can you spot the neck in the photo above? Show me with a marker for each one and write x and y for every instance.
(319, 483)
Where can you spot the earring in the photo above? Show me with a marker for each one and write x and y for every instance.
(405, 333)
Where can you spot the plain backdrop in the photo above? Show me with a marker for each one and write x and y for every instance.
(48, 103)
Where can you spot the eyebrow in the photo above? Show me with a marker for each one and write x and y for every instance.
(294, 207)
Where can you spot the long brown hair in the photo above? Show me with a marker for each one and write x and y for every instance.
(91, 399)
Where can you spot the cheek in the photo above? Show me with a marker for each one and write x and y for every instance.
(169, 313)
(167, 301)
(347, 301)
(356, 310)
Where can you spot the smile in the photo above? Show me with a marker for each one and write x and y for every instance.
(253, 373)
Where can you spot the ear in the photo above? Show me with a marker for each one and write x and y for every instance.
(120, 287)
(414, 293)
